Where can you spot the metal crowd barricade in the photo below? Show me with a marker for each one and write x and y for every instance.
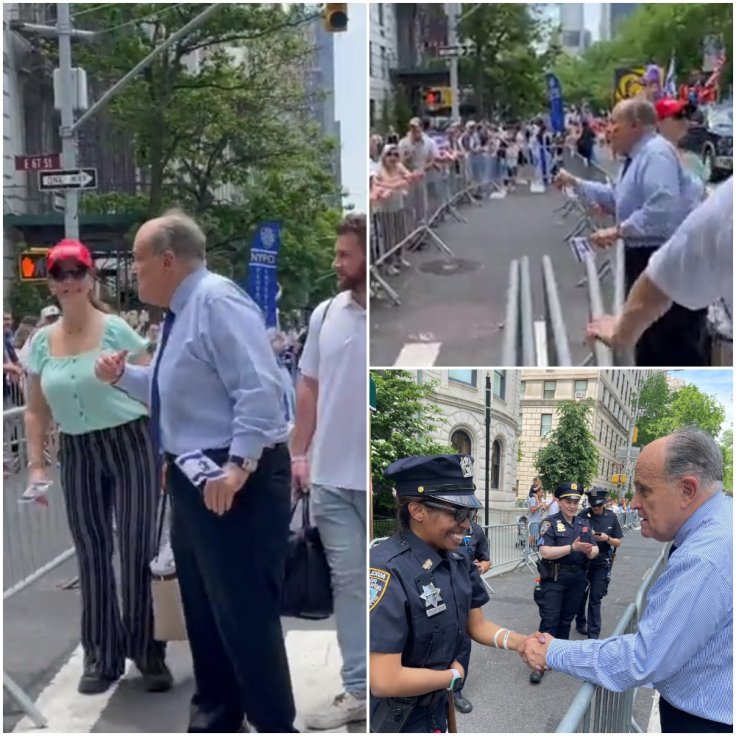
(403, 223)
(508, 545)
(601, 352)
(558, 345)
(596, 709)
(36, 539)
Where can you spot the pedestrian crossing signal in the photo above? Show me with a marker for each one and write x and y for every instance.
(438, 98)
(335, 16)
(32, 265)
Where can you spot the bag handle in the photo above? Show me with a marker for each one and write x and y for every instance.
(161, 516)
(303, 499)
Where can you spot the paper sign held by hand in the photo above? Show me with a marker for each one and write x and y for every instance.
(199, 468)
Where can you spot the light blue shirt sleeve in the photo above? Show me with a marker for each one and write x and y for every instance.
(238, 347)
(136, 381)
(659, 179)
(684, 611)
(600, 194)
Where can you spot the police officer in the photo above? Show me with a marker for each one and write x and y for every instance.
(475, 545)
(566, 545)
(425, 597)
(607, 532)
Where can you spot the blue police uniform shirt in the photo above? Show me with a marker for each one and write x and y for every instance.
(557, 532)
(606, 523)
(476, 544)
(684, 645)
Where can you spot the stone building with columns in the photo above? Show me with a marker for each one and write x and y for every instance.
(460, 396)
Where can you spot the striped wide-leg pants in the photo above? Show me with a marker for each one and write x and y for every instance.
(102, 471)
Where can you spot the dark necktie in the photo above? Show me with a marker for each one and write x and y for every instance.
(672, 549)
(627, 163)
(155, 394)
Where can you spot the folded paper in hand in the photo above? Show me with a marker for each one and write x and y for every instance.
(198, 467)
(36, 493)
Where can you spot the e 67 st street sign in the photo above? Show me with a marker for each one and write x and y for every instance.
(61, 179)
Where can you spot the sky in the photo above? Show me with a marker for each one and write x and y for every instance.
(716, 382)
(351, 103)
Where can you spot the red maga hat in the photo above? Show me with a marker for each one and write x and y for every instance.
(667, 107)
(69, 250)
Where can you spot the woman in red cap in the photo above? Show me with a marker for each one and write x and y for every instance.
(107, 466)
(673, 123)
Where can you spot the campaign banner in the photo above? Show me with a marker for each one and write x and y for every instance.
(556, 106)
(262, 284)
(628, 82)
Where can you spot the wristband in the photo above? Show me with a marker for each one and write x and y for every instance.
(506, 639)
(298, 458)
(495, 638)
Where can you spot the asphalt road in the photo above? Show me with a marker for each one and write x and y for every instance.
(41, 652)
(461, 312)
(498, 682)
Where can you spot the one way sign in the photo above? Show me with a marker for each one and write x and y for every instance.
(60, 179)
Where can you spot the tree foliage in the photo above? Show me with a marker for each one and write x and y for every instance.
(401, 426)
(650, 35)
(726, 445)
(222, 126)
(662, 411)
(570, 454)
(506, 70)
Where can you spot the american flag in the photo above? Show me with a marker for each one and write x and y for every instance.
(715, 76)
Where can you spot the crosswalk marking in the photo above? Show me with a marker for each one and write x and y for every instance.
(314, 664)
(418, 355)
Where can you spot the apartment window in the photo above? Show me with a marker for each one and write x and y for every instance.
(469, 378)
(549, 389)
(384, 63)
(461, 441)
(600, 432)
(496, 465)
(581, 389)
(499, 384)
(523, 389)
(545, 426)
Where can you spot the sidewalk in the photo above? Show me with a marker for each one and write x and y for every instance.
(498, 684)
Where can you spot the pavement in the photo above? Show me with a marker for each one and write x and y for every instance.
(456, 317)
(498, 681)
(41, 652)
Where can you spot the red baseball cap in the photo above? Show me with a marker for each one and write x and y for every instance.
(667, 107)
(69, 250)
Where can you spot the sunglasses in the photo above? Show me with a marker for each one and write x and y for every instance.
(459, 513)
(392, 155)
(58, 273)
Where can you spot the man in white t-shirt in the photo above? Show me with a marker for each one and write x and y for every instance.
(693, 269)
(331, 429)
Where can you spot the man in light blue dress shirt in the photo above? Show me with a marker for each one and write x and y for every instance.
(650, 199)
(684, 642)
(214, 385)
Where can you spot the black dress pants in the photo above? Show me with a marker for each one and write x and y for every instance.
(595, 592)
(674, 720)
(230, 571)
(559, 601)
(678, 338)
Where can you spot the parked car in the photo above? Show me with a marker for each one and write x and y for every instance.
(711, 137)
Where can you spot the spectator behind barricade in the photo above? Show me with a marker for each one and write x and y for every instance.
(278, 343)
(416, 148)
(12, 369)
(107, 468)
(392, 137)
(472, 144)
(585, 143)
(537, 507)
(673, 121)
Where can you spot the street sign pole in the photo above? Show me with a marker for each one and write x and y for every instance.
(634, 417)
(452, 16)
(66, 104)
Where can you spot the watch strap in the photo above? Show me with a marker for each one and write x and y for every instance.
(456, 680)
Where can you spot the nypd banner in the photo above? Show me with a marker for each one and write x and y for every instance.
(262, 283)
(556, 106)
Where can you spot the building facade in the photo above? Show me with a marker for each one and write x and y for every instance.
(572, 22)
(383, 59)
(615, 393)
(460, 396)
(612, 15)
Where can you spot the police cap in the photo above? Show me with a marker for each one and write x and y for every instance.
(572, 491)
(446, 478)
(597, 496)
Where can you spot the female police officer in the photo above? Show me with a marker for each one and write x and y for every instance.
(566, 544)
(425, 597)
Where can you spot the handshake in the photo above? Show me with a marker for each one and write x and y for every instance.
(534, 651)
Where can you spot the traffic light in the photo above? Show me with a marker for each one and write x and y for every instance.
(635, 436)
(32, 265)
(437, 98)
(335, 16)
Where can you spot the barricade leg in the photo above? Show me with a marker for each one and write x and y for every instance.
(16, 692)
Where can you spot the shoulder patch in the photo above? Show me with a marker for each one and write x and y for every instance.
(543, 529)
(377, 583)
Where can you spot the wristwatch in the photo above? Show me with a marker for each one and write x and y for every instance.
(456, 681)
(243, 463)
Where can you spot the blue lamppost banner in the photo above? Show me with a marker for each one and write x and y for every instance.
(556, 106)
(263, 269)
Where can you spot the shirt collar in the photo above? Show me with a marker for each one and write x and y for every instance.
(708, 509)
(421, 549)
(639, 145)
(186, 287)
